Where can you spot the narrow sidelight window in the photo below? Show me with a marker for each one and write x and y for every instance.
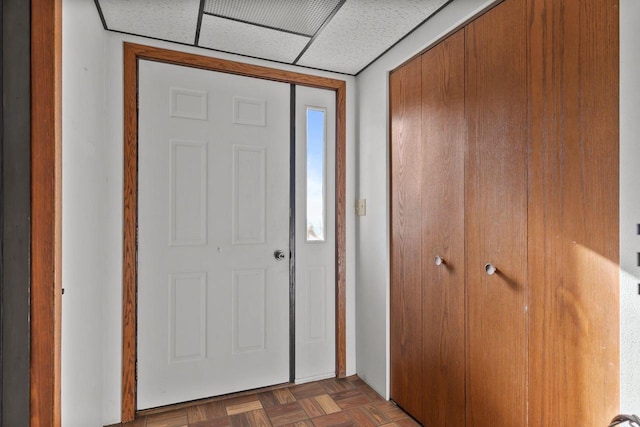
(316, 181)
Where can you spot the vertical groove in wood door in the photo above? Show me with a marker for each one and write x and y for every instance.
(496, 217)
(406, 270)
(573, 216)
(443, 293)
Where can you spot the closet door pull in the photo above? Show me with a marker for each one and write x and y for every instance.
(490, 269)
(438, 260)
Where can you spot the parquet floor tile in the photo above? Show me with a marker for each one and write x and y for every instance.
(206, 411)
(243, 407)
(350, 399)
(251, 419)
(286, 414)
(169, 419)
(327, 403)
(339, 419)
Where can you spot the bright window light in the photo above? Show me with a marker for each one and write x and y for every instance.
(316, 192)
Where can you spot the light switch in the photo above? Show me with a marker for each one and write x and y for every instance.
(361, 207)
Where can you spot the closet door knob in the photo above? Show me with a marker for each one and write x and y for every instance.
(490, 269)
(438, 260)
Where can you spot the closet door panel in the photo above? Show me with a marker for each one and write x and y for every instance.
(443, 145)
(574, 212)
(406, 266)
(496, 217)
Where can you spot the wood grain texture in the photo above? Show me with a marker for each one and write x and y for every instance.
(46, 213)
(231, 67)
(406, 242)
(239, 408)
(130, 227)
(132, 54)
(350, 401)
(496, 217)
(328, 405)
(573, 214)
(174, 419)
(443, 289)
(341, 229)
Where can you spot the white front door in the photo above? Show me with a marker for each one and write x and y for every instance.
(213, 301)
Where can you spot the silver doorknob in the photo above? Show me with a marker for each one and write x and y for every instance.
(279, 255)
(438, 260)
(490, 269)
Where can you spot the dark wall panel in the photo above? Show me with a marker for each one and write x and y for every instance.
(15, 207)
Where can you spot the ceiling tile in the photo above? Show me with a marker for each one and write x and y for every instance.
(246, 39)
(173, 20)
(362, 30)
(300, 16)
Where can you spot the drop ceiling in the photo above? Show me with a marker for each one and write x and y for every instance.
(342, 36)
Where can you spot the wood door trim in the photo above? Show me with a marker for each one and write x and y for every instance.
(132, 54)
(46, 219)
(46, 186)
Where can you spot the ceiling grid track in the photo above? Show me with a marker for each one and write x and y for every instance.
(322, 27)
(104, 22)
(338, 36)
(200, 13)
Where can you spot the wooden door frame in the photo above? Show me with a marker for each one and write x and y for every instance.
(132, 54)
(46, 218)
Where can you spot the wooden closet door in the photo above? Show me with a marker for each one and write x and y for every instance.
(443, 150)
(406, 262)
(574, 338)
(496, 217)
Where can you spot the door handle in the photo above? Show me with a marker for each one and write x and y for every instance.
(279, 255)
(490, 269)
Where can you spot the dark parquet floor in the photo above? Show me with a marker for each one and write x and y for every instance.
(331, 402)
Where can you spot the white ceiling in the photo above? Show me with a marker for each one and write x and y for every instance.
(343, 36)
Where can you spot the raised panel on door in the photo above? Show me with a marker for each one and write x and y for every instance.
(406, 224)
(443, 296)
(496, 217)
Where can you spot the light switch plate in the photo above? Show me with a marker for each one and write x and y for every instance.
(361, 207)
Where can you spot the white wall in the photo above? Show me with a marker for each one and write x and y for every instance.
(372, 236)
(92, 212)
(629, 206)
(84, 210)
